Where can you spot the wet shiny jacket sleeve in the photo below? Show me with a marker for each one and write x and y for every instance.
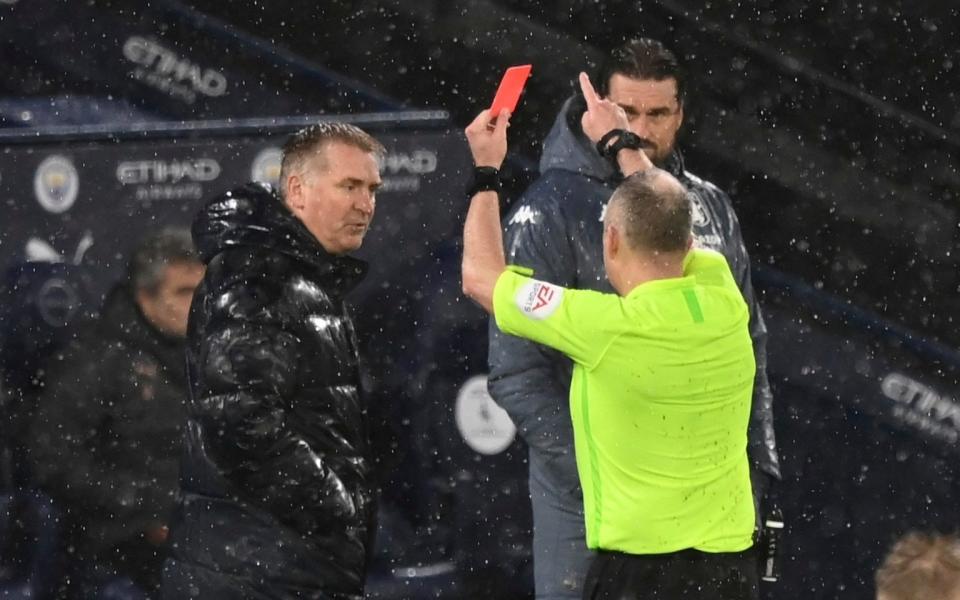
(762, 438)
(249, 364)
(526, 379)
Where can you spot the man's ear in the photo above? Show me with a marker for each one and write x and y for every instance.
(611, 239)
(144, 300)
(294, 193)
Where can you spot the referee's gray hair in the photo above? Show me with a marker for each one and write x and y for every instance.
(654, 211)
(155, 253)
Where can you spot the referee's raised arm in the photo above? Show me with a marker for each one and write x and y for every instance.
(483, 258)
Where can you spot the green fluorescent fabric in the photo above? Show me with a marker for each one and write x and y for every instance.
(660, 402)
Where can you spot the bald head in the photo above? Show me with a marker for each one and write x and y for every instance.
(651, 209)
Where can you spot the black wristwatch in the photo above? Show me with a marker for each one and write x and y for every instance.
(626, 139)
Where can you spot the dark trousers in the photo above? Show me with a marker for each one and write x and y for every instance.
(561, 558)
(687, 575)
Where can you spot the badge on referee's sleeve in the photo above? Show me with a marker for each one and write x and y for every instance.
(538, 299)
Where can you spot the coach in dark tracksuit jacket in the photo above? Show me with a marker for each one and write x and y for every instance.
(556, 229)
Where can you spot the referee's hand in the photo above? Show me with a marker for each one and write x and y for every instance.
(488, 139)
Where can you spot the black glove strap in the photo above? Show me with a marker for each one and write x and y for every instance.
(485, 179)
(602, 145)
(626, 139)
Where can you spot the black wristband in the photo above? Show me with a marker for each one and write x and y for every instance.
(604, 142)
(626, 139)
(485, 179)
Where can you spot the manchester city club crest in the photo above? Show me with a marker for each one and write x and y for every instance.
(56, 184)
(266, 166)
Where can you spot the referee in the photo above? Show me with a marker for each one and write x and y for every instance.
(662, 382)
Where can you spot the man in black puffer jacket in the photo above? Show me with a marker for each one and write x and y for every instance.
(556, 229)
(277, 483)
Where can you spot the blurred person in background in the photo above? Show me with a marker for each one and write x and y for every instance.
(556, 229)
(921, 566)
(107, 434)
(277, 485)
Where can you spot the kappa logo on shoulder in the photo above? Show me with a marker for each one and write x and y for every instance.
(538, 300)
(525, 216)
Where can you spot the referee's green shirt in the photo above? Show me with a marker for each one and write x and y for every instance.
(660, 400)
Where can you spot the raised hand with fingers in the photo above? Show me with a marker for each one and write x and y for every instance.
(601, 116)
(606, 124)
(483, 258)
(488, 141)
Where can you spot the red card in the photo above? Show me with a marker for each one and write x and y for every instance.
(511, 86)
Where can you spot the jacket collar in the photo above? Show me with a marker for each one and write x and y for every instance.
(254, 215)
(568, 149)
(674, 163)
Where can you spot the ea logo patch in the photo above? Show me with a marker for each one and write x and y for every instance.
(266, 166)
(538, 300)
(56, 184)
(699, 216)
(485, 427)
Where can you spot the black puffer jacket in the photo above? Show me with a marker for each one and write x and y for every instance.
(108, 429)
(277, 490)
(556, 229)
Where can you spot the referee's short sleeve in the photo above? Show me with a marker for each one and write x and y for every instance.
(574, 322)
